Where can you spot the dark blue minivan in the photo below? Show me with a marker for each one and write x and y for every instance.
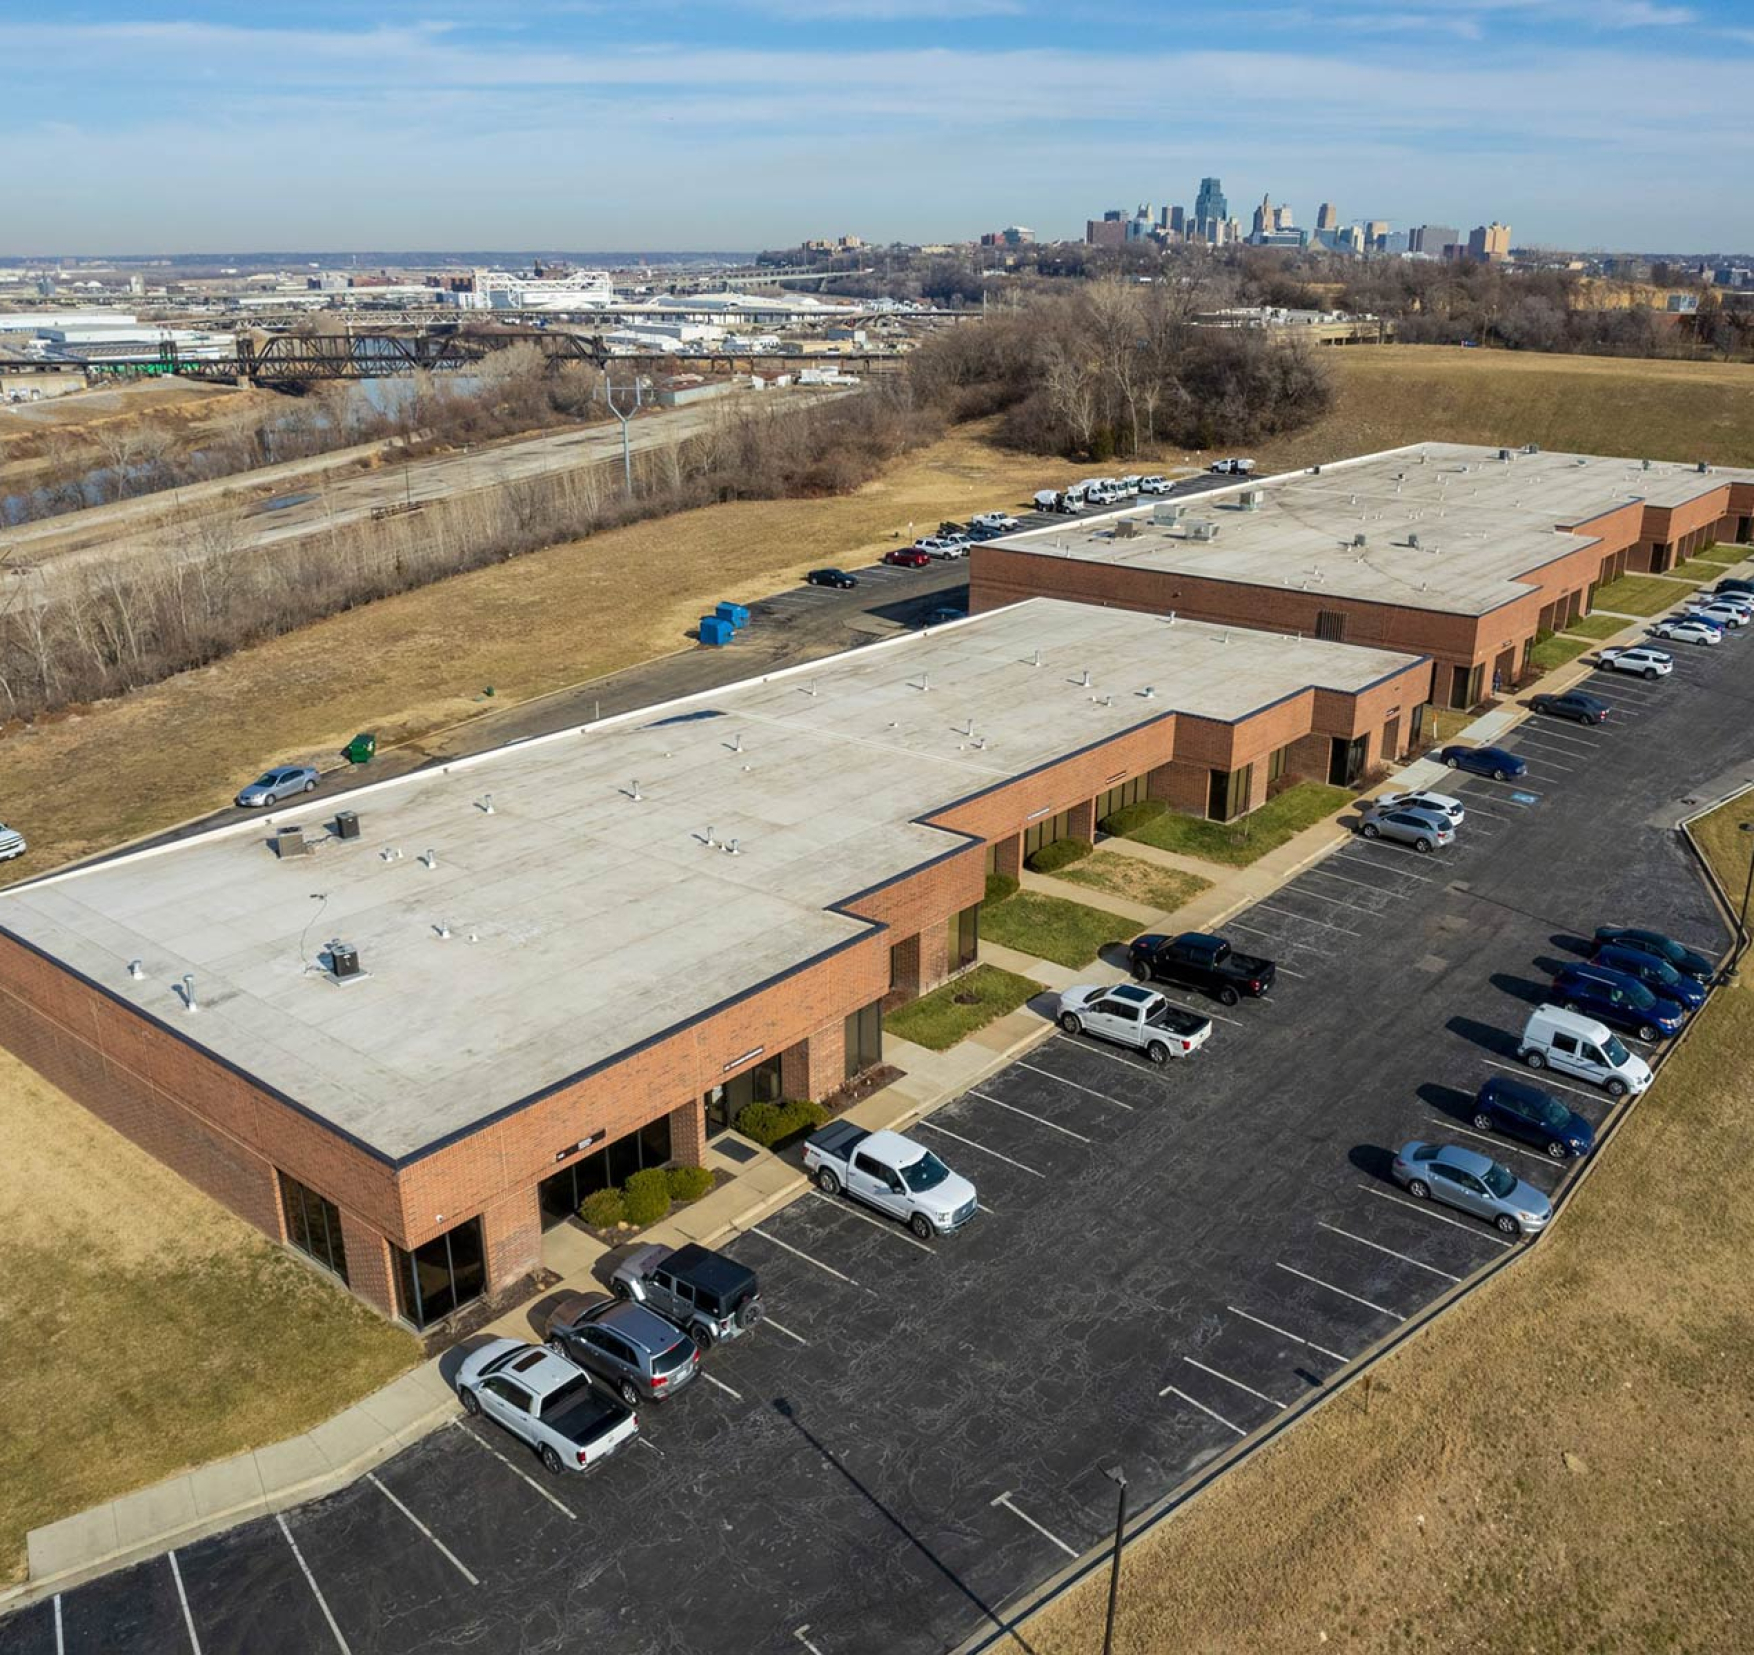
(1620, 1001)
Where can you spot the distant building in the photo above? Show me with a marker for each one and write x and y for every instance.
(1211, 212)
(1108, 231)
(1175, 220)
(1432, 239)
(1489, 243)
(1264, 219)
(1375, 233)
(1328, 217)
(1284, 219)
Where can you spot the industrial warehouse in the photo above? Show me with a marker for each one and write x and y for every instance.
(1466, 555)
(407, 1035)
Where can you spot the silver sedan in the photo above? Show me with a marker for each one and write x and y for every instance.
(1473, 1182)
(282, 782)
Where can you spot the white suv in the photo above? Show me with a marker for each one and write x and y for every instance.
(1646, 662)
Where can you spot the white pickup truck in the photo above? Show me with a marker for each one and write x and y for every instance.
(891, 1173)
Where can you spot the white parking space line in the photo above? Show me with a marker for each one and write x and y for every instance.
(892, 1231)
(1424, 1208)
(1316, 1281)
(1098, 1050)
(721, 1385)
(547, 1494)
(646, 1442)
(183, 1599)
(756, 1230)
(1320, 896)
(1368, 862)
(1377, 1246)
(1236, 1382)
(1286, 971)
(1046, 1534)
(780, 1327)
(304, 1569)
(932, 1126)
(1040, 1120)
(1547, 764)
(444, 1550)
(1360, 885)
(1089, 1091)
(798, 1633)
(1210, 1413)
(1544, 1078)
(1279, 940)
(1561, 735)
(61, 1639)
(1292, 913)
(1286, 1333)
(1493, 1139)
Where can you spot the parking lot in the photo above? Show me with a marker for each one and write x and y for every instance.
(1166, 1260)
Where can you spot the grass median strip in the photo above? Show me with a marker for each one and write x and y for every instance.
(952, 1013)
(1556, 652)
(1597, 626)
(1051, 928)
(1642, 594)
(1237, 844)
(1164, 889)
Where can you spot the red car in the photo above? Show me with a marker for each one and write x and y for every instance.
(907, 557)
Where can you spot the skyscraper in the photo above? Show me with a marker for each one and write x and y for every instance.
(1489, 243)
(1210, 207)
(1329, 217)
(1431, 239)
(1264, 218)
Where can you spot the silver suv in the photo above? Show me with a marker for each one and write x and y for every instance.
(712, 1296)
(1424, 830)
(641, 1355)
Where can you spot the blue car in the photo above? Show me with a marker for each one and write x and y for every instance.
(1522, 1110)
(1657, 975)
(1495, 762)
(1688, 961)
(1620, 1001)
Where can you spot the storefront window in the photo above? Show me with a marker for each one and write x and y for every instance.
(560, 1194)
(313, 1225)
(1228, 795)
(1117, 798)
(443, 1274)
(1046, 831)
(965, 937)
(864, 1039)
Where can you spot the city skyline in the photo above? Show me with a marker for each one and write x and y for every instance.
(755, 124)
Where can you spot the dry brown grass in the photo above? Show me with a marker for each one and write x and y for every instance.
(1164, 889)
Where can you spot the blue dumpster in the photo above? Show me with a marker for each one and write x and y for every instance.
(715, 630)
(736, 613)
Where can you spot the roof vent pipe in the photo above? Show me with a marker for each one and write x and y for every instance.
(1037, 661)
(487, 805)
(1084, 680)
(189, 1003)
(430, 859)
(441, 930)
(135, 971)
(731, 848)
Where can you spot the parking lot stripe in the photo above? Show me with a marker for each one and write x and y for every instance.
(780, 1327)
(756, 1230)
(1546, 1078)
(1040, 1120)
(1548, 764)
(1286, 1333)
(876, 1223)
(721, 1385)
(1320, 896)
(547, 1494)
(932, 1126)
(183, 1599)
(1561, 735)
(798, 1633)
(1210, 1413)
(1360, 885)
(61, 1639)
(1489, 1138)
(1278, 940)
(1229, 1381)
(1364, 1241)
(646, 1442)
(1316, 1281)
(444, 1550)
(1442, 1218)
(1286, 971)
(1097, 1050)
(1088, 1090)
(1363, 862)
(310, 1581)
(1005, 1501)
(1292, 913)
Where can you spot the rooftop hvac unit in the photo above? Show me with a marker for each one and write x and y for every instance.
(1361, 539)
(1645, 464)
(1413, 541)
(1504, 453)
(347, 824)
(1202, 531)
(1126, 529)
(1703, 468)
(1531, 448)
(343, 961)
(1166, 514)
(1252, 497)
(290, 841)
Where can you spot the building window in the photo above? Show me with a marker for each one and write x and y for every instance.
(1227, 795)
(560, 1194)
(965, 937)
(1277, 762)
(1118, 798)
(442, 1275)
(864, 1039)
(313, 1225)
(992, 860)
(1045, 832)
(1331, 625)
(1346, 760)
(725, 1103)
(1465, 685)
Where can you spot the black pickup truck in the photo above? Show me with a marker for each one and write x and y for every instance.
(1196, 960)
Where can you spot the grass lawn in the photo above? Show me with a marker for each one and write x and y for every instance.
(1236, 844)
(1051, 928)
(1596, 626)
(1555, 652)
(150, 1329)
(1593, 1400)
(1643, 594)
(1164, 889)
(1722, 556)
(951, 1013)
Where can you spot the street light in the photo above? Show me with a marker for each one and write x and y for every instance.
(1747, 889)
(1117, 1475)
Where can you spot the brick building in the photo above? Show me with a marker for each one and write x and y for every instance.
(407, 1050)
(1462, 554)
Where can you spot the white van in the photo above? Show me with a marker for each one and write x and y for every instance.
(11, 843)
(1569, 1043)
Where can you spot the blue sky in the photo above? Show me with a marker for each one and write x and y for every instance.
(664, 124)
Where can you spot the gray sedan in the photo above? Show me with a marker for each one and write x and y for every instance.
(282, 782)
(1424, 830)
(1474, 1182)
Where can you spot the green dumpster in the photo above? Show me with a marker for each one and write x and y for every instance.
(361, 748)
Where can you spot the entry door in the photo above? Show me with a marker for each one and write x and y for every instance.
(1346, 760)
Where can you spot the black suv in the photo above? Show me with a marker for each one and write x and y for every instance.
(1586, 709)
(709, 1295)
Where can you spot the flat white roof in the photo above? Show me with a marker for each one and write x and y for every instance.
(1482, 524)
(601, 909)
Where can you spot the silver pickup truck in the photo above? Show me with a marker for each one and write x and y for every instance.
(891, 1173)
(543, 1398)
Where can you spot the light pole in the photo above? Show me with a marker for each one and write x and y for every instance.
(1118, 1476)
(1747, 890)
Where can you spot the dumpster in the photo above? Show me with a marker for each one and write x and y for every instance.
(715, 630)
(361, 748)
(737, 614)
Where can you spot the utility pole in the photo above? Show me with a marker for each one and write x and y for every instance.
(1117, 1475)
(610, 393)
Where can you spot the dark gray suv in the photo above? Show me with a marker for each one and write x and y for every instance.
(642, 1356)
(713, 1296)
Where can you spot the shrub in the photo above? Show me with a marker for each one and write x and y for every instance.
(688, 1183)
(999, 887)
(1059, 853)
(1130, 818)
(646, 1196)
(769, 1123)
(603, 1209)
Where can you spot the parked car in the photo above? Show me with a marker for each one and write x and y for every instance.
(832, 577)
(1424, 830)
(1620, 1001)
(1439, 804)
(1687, 629)
(1049, 499)
(1132, 1016)
(1657, 975)
(1572, 704)
(1743, 601)
(710, 1296)
(941, 546)
(1495, 762)
(1571, 1044)
(1207, 963)
(1001, 522)
(1473, 1182)
(1733, 587)
(1688, 961)
(11, 843)
(547, 1401)
(1648, 663)
(1232, 468)
(891, 1173)
(272, 786)
(1155, 484)
(1721, 611)
(1520, 1109)
(944, 614)
(908, 557)
(641, 1355)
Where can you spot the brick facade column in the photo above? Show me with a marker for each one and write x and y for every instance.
(1009, 856)
(817, 1066)
(688, 1134)
(369, 1271)
(1309, 757)
(512, 1230)
(1257, 786)
(904, 972)
(1081, 821)
(934, 956)
(1183, 787)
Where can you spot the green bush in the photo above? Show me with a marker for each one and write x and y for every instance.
(688, 1183)
(999, 886)
(646, 1196)
(768, 1123)
(1129, 818)
(1057, 854)
(603, 1209)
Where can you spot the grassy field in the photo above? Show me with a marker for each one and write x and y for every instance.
(1562, 1465)
(952, 1013)
(1237, 844)
(1643, 594)
(1555, 652)
(1164, 889)
(149, 1330)
(1596, 626)
(1051, 928)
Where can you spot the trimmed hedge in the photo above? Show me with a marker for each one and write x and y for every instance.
(768, 1123)
(999, 887)
(1130, 818)
(1057, 854)
(603, 1209)
(646, 1196)
(688, 1183)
